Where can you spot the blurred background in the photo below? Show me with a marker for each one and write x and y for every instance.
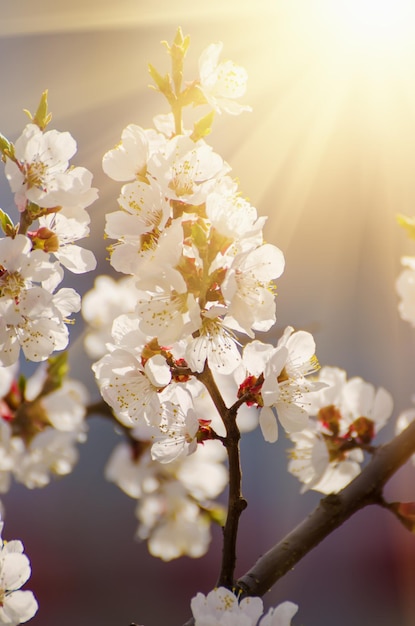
(328, 154)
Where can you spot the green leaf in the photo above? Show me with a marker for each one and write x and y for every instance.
(163, 82)
(56, 372)
(6, 223)
(203, 127)
(408, 223)
(42, 117)
(6, 147)
(180, 41)
(216, 514)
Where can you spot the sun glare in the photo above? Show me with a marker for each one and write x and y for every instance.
(371, 22)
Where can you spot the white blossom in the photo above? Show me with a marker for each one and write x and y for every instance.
(233, 216)
(16, 606)
(63, 232)
(50, 451)
(222, 83)
(126, 386)
(176, 434)
(168, 494)
(248, 289)
(128, 160)
(41, 172)
(216, 345)
(349, 413)
(220, 607)
(173, 523)
(280, 615)
(186, 170)
(285, 384)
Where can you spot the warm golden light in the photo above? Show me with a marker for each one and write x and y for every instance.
(372, 20)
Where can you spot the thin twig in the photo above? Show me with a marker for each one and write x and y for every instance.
(236, 502)
(331, 512)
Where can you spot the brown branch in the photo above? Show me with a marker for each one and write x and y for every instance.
(332, 511)
(236, 502)
(102, 409)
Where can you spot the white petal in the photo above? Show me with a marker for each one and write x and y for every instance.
(268, 424)
(15, 570)
(76, 259)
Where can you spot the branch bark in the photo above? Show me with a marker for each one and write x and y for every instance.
(236, 502)
(331, 512)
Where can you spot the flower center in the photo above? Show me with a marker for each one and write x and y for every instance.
(11, 283)
(34, 174)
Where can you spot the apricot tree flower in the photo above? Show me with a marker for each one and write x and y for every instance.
(222, 83)
(177, 430)
(40, 172)
(277, 379)
(348, 414)
(128, 160)
(130, 388)
(31, 317)
(221, 607)
(57, 234)
(249, 291)
(173, 499)
(16, 606)
(187, 170)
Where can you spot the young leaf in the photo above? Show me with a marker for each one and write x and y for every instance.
(203, 127)
(42, 117)
(408, 223)
(6, 223)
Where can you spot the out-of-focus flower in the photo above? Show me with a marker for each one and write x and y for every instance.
(222, 83)
(220, 607)
(16, 606)
(349, 413)
(405, 287)
(173, 498)
(128, 160)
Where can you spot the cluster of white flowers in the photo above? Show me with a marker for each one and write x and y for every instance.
(42, 418)
(198, 276)
(220, 607)
(51, 197)
(174, 491)
(174, 500)
(274, 378)
(347, 416)
(40, 426)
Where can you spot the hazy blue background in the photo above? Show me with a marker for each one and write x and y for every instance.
(328, 153)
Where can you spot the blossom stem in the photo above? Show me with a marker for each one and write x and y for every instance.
(236, 502)
(331, 512)
(177, 114)
(25, 222)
